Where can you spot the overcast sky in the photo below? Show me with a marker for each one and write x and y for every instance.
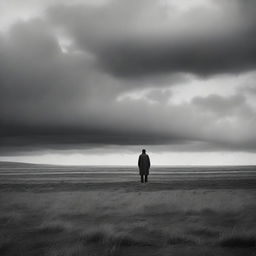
(93, 82)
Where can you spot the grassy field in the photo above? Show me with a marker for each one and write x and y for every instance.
(163, 217)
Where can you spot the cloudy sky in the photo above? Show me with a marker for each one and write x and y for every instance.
(95, 81)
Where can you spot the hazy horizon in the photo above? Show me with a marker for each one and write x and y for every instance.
(74, 162)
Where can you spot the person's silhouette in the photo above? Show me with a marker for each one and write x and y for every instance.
(144, 165)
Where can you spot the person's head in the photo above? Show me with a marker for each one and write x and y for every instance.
(144, 151)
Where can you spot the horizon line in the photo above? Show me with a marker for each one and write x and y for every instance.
(113, 165)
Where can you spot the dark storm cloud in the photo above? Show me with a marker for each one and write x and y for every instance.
(77, 98)
(51, 99)
(128, 43)
(77, 137)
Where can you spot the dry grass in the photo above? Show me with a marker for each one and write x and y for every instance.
(119, 222)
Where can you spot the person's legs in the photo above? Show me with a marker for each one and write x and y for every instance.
(146, 178)
(141, 178)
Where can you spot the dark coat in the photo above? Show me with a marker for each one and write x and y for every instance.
(144, 164)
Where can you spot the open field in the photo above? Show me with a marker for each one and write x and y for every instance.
(56, 211)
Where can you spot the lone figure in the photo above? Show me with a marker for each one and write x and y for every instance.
(144, 165)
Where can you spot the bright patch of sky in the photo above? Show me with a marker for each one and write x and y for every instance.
(130, 159)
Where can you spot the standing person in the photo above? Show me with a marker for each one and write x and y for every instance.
(144, 165)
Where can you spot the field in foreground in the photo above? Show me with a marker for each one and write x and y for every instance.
(72, 211)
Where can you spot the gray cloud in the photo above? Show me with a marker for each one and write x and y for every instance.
(52, 99)
(201, 41)
(49, 98)
(224, 106)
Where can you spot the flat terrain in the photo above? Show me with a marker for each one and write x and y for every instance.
(49, 210)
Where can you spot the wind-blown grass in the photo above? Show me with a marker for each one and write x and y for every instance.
(123, 222)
